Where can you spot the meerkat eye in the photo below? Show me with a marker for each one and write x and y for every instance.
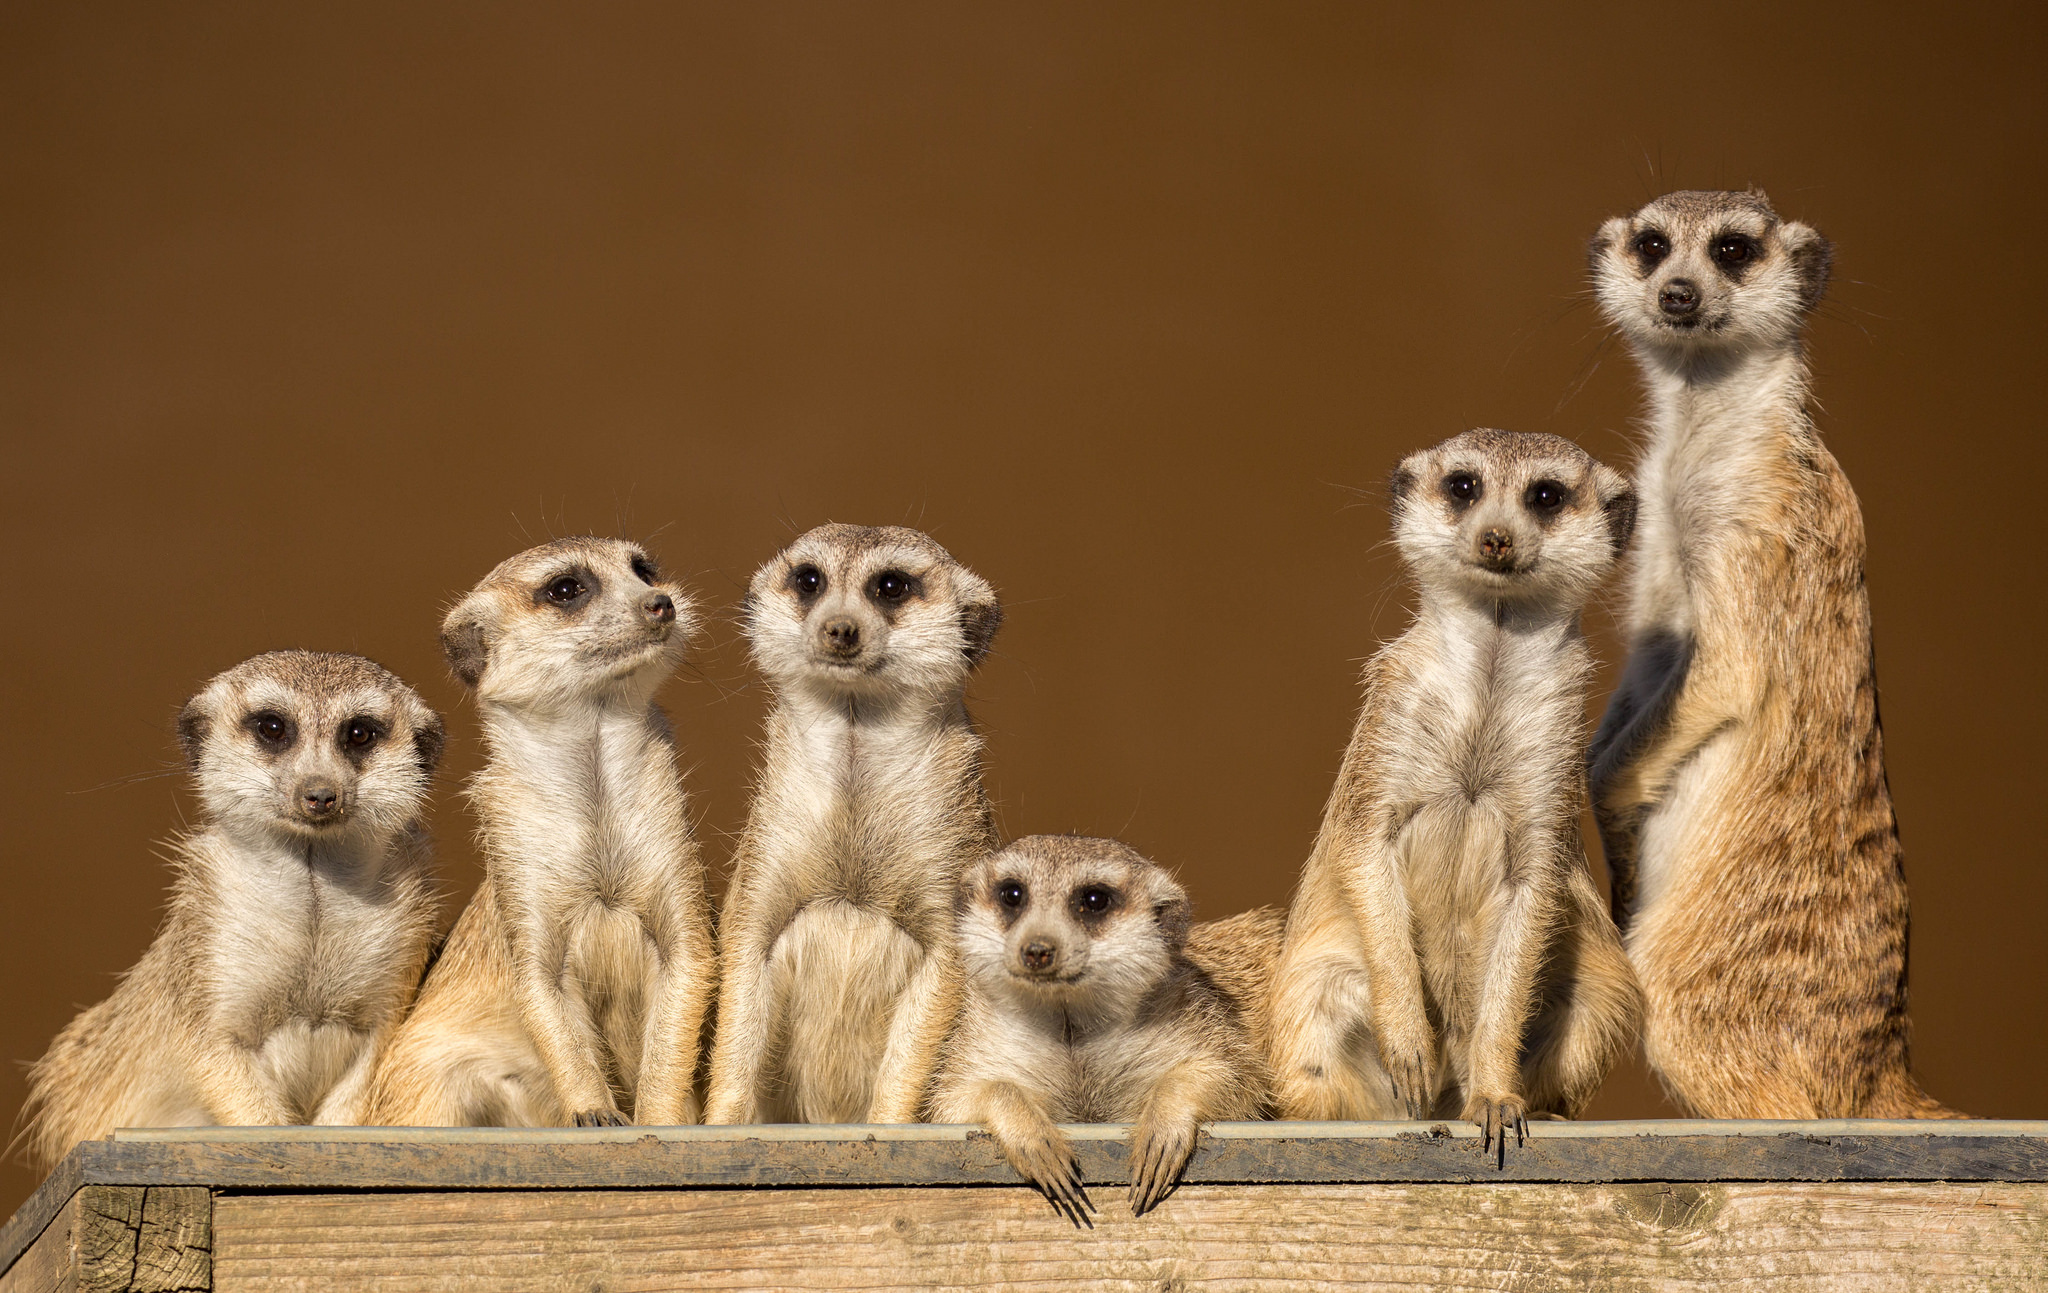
(1732, 249)
(1462, 486)
(1095, 899)
(360, 733)
(1651, 246)
(271, 728)
(1010, 894)
(892, 585)
(565, 589)
(808, 581)
(644, 571)
(1546, 496)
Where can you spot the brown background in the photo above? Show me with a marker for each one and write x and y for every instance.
(309, 316)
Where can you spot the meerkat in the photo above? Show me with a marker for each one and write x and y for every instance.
(574, 985)
(839, 973)
(1446, 952)
(298, 923)
(1083, 1005)
(1738, 774)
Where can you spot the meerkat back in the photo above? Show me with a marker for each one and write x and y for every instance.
(298, 923)
(1738, 774)
(574, 986)
(837, 975)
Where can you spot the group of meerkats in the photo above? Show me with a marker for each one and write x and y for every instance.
(882, 957)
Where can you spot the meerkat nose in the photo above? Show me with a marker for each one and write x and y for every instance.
(1680, 296)
(1497, 548)
(659, 608)
(844, 635)
(319, 800)
(1039, 956)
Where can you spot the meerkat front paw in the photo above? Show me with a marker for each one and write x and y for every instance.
(1048, 1162)
(600, 1118)
(1409, 1056)
(1158, 1156)
(1496, 1118)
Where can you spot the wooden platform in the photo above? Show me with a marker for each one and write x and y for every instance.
(1619, 1205)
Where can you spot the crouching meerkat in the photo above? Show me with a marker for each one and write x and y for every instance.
(839, 972)
(1446, 951)
(1082, 1004)
(1738, 775)
(573, 988)
(298, 924)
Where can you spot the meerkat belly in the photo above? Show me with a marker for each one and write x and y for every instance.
(1676, 838)
(837, 971)
(610, 962)
(1453, 866)
(302, 1061)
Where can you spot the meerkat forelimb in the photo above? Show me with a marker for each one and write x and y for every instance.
(1446, 952)
(299, 920)
(574, 986)
(839, 975)
(1082, 1004)
(1738, 774)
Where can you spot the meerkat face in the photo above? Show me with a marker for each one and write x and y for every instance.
(1697, 272)
(865, 611)
(568, 621)
(1503, 516)
(1062, 922)
(311, 745)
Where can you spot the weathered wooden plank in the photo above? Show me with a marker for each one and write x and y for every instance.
(676, 1157)
(1719, 1236)
(121, 1239)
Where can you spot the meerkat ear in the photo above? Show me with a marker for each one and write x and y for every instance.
(1618, 501)
(192, 729)
(429, 739)
(1173, 916)
(462, 641)
(980, 617)
(1605, 239)
(1812, 257)
(1399, 484)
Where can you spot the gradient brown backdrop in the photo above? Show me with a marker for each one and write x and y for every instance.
(310, 315)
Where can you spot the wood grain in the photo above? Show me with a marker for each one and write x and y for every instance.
(1719, 1236)
(121, 1239)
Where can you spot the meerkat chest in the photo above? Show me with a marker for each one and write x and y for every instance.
(1486, 721)
(292, 946)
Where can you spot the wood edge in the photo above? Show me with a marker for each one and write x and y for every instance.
(35, 1215)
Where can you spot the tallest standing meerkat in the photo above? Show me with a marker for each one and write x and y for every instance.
(1738, 775)
(839, 977)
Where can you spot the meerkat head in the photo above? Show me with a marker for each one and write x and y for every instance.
(1510, 517)
(569, 622)
(868, 611)
(1696, 273)
(1058, 922)
(310, 745)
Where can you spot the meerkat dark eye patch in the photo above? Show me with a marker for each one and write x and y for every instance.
(1011, 893)
(359, 735)
(1546, 497)
(893, 587)
(1733, 252)
(569, 589)
(644, 571)
(1650, 248)
(807, 581)
(1095, 900)
(272, 730)
(1463, 488)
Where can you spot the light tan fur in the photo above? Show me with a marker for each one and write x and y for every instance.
(1084, 1005)
(574, 986)
(1446, 952)
(298, 923)
(840, 977)
(1739, 772)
